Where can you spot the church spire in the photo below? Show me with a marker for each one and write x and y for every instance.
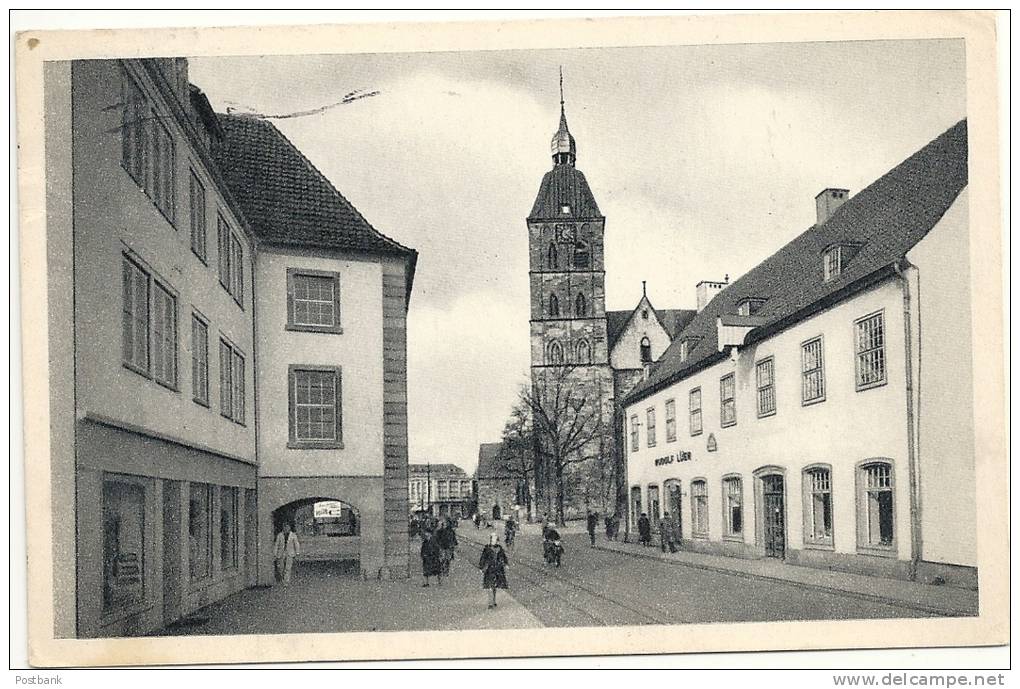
(564, 150)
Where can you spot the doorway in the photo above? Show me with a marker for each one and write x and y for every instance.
(774, 515)
(653, 507)
(674, 505)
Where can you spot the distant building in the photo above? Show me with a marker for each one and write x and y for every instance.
(793, 418)
(500, 490)
(440, 490)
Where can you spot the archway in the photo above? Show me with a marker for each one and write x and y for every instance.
(329, 533)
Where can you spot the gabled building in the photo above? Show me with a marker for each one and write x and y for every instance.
(818, 409)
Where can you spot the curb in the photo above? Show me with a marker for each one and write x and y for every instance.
(895, 602)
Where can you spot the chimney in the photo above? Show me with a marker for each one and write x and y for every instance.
(706, 289)
(827, 201)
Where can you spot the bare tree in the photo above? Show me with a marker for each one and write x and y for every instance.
(567, 422)
(517, 452)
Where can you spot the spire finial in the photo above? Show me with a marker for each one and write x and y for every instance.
(644, 288)
(563, 147)
(561, 88)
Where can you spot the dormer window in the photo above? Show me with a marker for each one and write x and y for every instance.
(644, 314)
(646, 350)
(832, 262)
(750, 306)
(685, 347)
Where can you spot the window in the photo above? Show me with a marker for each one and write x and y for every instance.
(653, 505)
(750, 307)
(555, 353)
(634, 433)
(554, 306)
(199, 530)
(228, 528)
(684, 350)
(695, 411)
(699, 509)
(670, 421)
(442, 489)
(733, 506)
(552, 260)
(812, 385)
(135, 338)
(230, 259)
(582, 255)
(198, 229)
(646, 350)
(133, 125)
(650, 414)
(232, 396)
(817, 491)
(875, 506)
(565, 208)
(870, 347)
(580, 306)
(313, 301)
(161, 183)
(200, 360)
(727, 401)
(315, 411)
(832, 262)
(123, 544)
(766, 382)
(583, 352)
(164, 336)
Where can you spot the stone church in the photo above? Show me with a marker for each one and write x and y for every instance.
(605, 351)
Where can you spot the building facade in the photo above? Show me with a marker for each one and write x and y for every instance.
(331, 326)
(154, 455)
(501, 490)
(440, 490)
(793, 418)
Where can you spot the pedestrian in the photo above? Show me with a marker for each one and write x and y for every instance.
(510, 531)
(593, 520)
(431, 562)
(493, 564)
(446, 539)
(644, 527)
(609, 527)
(285, 549)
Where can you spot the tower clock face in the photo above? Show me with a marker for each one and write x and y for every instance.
(564, 233)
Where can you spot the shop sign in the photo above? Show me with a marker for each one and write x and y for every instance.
(682, 456)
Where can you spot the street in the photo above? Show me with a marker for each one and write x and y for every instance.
(594, 587)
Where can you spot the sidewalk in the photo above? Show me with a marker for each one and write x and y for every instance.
(322, 599)
(940, 600)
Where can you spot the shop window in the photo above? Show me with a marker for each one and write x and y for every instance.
(123, 544)
(227, 528)
(876, 519)
(670, 421)
(200, 531)
(699, 508)
(812, 371)
(695, 411)
(870, 349)
(727, 400)
(766, 382)
(734, 508)
(817, 489)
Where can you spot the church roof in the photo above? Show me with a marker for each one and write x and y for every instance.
(490, 463)
(673, 320)
(564, 185)
(284, 196)
(883, 222)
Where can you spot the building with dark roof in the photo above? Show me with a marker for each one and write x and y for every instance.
(817, 408)
(440, 490)
(499, 488)
(331, 321)
(605, 351)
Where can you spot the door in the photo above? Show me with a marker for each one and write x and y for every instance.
(774, 515)
(173, 571)
(675, 506)
(653, 506)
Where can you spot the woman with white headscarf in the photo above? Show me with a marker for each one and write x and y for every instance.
(493, 564)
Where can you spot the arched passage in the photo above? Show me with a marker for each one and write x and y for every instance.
(329, 533)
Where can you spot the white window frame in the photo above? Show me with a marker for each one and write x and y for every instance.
(864, 349)
(811, 486)
(670, 420)
(806, 373)
(732, 497)
(699, 508)
(695, 415)
(766, 389)
(650, 426)
(723, 399)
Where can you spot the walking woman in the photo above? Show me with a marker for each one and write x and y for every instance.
(431, 560)
(493, 565)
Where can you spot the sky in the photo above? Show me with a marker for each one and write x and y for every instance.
(704, 160)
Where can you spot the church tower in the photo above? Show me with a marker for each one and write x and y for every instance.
(567, 277)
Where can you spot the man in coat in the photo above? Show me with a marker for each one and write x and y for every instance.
(593, 521)
(285, 549)
(644, 527)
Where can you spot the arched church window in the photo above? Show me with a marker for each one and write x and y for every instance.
(646, 350)
(552, 259)
(554, 305)
(582, 254)
(583, 352)
(580, 305)
(555, 352)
